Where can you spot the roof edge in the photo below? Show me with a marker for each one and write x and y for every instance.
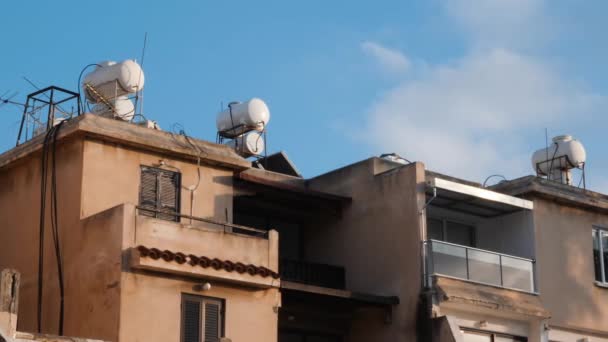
(106, 129)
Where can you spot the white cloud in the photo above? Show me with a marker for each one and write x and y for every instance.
(503, 23)
(470, 118)
(389, 59)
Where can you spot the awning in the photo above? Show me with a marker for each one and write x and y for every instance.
(261, 191)
(356, 298)
(473, 200)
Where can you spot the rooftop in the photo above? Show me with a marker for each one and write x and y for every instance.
(132, 135)
(529, 186)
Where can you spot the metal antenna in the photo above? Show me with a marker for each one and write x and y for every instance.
(4, 100)
(547, 148)
(139, 91)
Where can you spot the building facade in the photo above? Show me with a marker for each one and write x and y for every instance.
(149, 235)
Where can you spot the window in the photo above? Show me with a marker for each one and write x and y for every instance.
(451, 231)
(159, 191)
(600, 254)
(472, 335)
(202, 319)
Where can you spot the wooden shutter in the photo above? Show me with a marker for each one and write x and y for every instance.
(212, 321)
(160, 192)
(191, 320)
(148, 192)
(202, 319)
(169, 185)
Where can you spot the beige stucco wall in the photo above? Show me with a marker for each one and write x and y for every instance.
(95, 178)
(377, 240)
(565, 266)
(209, 240)
(150, 309)
(19, 224)
(111, 177)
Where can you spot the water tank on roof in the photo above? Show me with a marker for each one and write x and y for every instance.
(111, 79)
(243, 117)
(121, 108)
(248, 145)
(558, 159)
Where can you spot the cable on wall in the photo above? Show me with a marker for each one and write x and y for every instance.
(49, 149)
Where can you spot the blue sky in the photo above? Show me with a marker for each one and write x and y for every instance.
(466, 86)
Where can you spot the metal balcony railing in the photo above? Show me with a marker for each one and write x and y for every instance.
(312, 274)
(225, 226)
(480, 266)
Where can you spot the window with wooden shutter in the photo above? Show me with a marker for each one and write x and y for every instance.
(159, 192)
(202, 319)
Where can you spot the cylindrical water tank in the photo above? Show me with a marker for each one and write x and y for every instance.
(248, 144)
(547, 159)
(123, 108)
(249, 115)
(111, 79)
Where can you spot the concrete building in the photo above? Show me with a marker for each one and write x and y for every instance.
(144, 225)
(168, 238)
(157, 240)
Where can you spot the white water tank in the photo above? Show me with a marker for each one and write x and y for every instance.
(547, 160)
(124, 108)
(111, 79)
(249, 115)
(248, 145)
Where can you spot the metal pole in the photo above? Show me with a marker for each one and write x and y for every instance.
(466, 253)
(27, 102)
(500, 265)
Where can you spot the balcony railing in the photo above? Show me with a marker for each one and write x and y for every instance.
(480, 266)
(225, 226)
(312, 274)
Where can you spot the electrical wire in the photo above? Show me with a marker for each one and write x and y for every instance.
(55, 228)
(200, 153)
(44, 163)
(50, 145)
(490, 177)
(81, 106)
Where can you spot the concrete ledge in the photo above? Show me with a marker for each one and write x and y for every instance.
(450, 292)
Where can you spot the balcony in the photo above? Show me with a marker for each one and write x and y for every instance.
(480, 266)
(312, 274)
(195, 247)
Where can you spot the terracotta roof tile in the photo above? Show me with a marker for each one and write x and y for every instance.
(205, 262)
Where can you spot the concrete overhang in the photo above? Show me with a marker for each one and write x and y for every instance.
(537, 187)
(356, 298)
(463, 295)
(294, 185)
(472, 199)
(288, 196)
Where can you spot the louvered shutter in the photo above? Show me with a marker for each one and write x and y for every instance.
(201, 319)
(148, 192)
(169, 184)
(212, 321)
(191, 320)
(159, 192)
